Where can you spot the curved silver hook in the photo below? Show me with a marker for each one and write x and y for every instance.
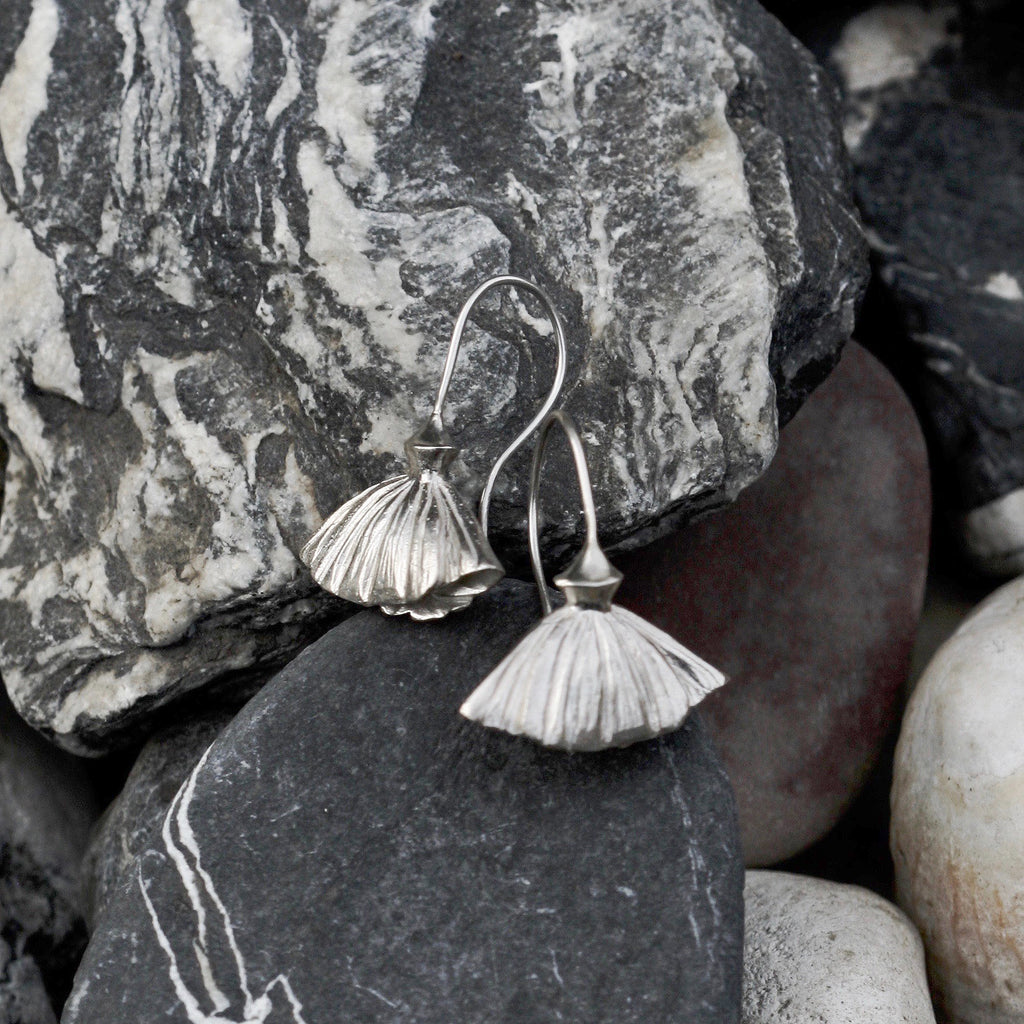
(453, 355)
(590, 568)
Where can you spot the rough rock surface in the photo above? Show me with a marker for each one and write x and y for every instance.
(233, 243)
(46, 810)
(376, 857)
(957, 827)
(835, 954)
(806, 593)
(24, 999)
(130, 824)
(934, 126)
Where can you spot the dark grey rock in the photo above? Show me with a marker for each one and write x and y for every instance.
(46, 810)
(24, 999)
(384, 860)
(132, 822)
(935, 124)
(235, 238)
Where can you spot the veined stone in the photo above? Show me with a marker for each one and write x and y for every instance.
(350, 849)
(130, 824)
(933, 122)
(234, 239)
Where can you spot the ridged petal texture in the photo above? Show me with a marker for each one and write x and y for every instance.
(588, 679)
(409, 545)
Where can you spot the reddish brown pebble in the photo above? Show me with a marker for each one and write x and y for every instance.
(806, 593)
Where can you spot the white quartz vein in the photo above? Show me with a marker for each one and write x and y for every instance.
(291, 84)
(222, 40)
(211, 916)
(23, 90)
(237, 560)
(149, 133)
(347, 107)
(32, 326)
(728, 336)
(360, 74)
(602, 305)
(341, 242)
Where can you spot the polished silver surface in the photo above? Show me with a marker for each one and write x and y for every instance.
(590, 579)
(410, 544)
(590, 675)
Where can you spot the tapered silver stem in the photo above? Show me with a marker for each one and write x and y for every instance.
(590, 579)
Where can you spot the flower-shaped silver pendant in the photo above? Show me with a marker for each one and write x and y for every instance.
(410, 544)
(590, 675)
(588, 678)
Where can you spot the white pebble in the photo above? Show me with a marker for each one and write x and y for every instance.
(958, 813)
(821, 952)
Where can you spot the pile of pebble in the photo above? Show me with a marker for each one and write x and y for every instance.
(233, 237)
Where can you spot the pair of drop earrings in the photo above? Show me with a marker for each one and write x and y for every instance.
(590, 675)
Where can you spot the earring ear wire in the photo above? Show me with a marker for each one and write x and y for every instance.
(410, 544)
(561, 361)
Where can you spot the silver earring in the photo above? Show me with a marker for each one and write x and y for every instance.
(591, 674)
(411, 544)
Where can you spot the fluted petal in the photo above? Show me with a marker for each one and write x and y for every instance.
(408, 544)
(587, 679)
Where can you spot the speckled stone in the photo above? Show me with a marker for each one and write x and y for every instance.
(806, 593)
(826, 953)
(957, 821)
(378, 858)
(933, 124)
(234, 240)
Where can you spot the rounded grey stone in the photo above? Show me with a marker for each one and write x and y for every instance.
(350, 843)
